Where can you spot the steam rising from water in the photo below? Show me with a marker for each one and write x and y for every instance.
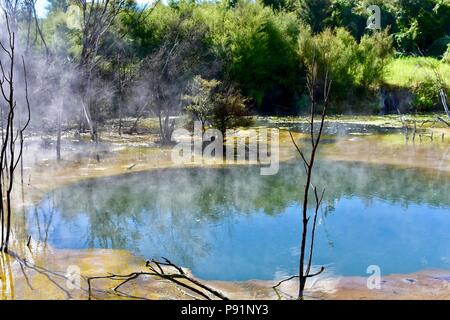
(234, 224)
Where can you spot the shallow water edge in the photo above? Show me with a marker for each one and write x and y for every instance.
(35, 284)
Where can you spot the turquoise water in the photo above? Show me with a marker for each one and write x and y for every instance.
(233, 224)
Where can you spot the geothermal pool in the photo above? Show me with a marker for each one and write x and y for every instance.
(233, 224)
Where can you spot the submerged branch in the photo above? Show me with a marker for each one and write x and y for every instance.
(157, 270)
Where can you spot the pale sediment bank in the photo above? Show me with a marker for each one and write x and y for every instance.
(45, 275)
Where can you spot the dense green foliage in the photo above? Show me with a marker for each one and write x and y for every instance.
(351, 65)
(212, 104)
(260, 48)
(418, 75)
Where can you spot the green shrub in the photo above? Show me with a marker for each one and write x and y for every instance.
(332, 51)
(353, 68)
(403, 72)
(426, 94)
(373, 53)
(257, 46)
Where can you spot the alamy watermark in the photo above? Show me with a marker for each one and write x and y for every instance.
(374, 280)
(374, 20)
(250, 146)
(73, 277)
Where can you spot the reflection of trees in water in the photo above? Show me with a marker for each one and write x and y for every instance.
(6, 277)
(42, 217)
(106, 230)
(173, 210)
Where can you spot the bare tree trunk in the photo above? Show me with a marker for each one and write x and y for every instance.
(166, 127)
(38, 27)
(9, 160)
(97, 18)
(161, 129)
(139, 115)
(88, 120)
(305, 264)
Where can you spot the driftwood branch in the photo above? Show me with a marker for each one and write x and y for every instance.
(163, 270)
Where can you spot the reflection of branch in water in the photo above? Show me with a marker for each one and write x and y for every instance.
(43, 271)
(50, 219)
(38, 224)
(180, 278)
(25, 275)
(51, 275)
(329, 209)
(47, 218)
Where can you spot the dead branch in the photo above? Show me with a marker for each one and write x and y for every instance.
(308, 165)
(9, 158)
(284, 280)
(163, 270)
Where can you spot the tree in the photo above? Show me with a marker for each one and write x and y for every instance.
(257, 46)
(309, 166)
(96, 19)
(277, 4)
(314, 13)
(343, 13)
(57, 5)
(201, 99)
(124, 77)
(13, 137)
(421, 23)
(305, 261)
(356, 68)
(121, 71)
(337, 50)
(166, 72)
(373, 53)
(223, 107)
(317, 65)
(436, 83)
(229, 110)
